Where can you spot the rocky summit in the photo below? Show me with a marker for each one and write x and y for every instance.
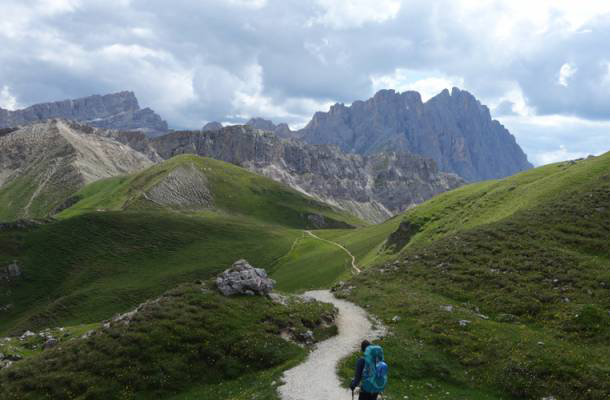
(453, 128)
(243, 278)
(282, 130)
(373, 187)
(119, 111)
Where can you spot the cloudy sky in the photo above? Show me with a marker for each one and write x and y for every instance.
(543, 67)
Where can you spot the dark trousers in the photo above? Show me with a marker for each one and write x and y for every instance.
(367, 396)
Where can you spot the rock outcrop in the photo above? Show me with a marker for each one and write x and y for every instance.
(119, 111)
(243, 278)
(282, 130)
(10, 272)
(373, 187)
(212, 126)
(452, 128)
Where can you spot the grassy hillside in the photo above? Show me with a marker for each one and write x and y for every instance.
(232, 190)
(86, 268)
(130, 238)
(524, 263)
(38, 190)
(188, 341)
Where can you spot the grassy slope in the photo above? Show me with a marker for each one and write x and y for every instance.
(235, 191)
(91, 264)
(23, 193)
(311, 264)
(532, 254)
(89, 267)
(192, 340)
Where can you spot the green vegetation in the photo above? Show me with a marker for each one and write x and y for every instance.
(311, 264)
(189, 335)
(114, 248)
(526, 262)
(234, 190)
(502, 288)
(87, 268)
(31, 196)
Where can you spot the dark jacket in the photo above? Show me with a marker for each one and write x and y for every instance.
(358, 373)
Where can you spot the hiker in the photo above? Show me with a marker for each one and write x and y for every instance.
(371, 371)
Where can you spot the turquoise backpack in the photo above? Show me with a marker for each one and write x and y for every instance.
(375, 374)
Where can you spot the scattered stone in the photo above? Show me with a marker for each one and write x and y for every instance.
(540, 343)
(482, 316)
(448, 308)
(278, 298)
(50, 343)
(88, 334)
(464, 322)
(506, 318)
(306, 337)
(11, 271)
(549, 398)
(26, 335)
(13, 357)
(396, 318)
(5, 364)
(243, 278)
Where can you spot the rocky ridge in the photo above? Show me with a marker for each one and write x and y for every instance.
(43, 164)
(373, 187)
(61, 156)
(282, 130)
(453, 128)
(119, 111)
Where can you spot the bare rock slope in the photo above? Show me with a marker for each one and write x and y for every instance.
(42, 164)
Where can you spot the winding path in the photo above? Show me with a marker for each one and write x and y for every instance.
(316, 378)
(354, 266)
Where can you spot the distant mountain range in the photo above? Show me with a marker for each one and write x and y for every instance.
(452, 128)
(112, 111)
(42, 164)
(374, 158)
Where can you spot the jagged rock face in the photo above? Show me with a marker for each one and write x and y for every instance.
(282, 130)
(41, 165)
(243, 278)
(119, 111)
(373, 187)
(212, 126)
(453, 129)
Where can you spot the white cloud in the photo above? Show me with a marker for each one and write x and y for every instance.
(7, 100)
(560, 154)
(249, 3)
(565, 73)
(341, 14)
(403, 80)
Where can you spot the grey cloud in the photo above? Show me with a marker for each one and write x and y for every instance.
(208, 51)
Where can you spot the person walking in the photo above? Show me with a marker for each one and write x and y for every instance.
(371, 372)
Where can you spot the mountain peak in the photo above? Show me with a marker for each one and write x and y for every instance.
(120, 111)
(453, 128)
(281, 130)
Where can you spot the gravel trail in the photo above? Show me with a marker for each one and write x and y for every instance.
(355, 268)
(316, 378)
